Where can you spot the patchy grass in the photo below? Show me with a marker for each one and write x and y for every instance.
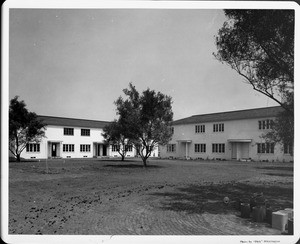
(92, 196)
(210, 197)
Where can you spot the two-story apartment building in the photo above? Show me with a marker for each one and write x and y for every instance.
(73, 138)
(228, 135)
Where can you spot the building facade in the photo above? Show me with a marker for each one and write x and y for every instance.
(74, 138)
(235, 135)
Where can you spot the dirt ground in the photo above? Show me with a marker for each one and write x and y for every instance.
(169, 197)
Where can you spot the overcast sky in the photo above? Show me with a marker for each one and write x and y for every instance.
(75, 63)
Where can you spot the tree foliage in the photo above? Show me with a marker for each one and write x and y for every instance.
(116, 134)
(259, 46)
(24, 127)
(283, 128)
(146, 118)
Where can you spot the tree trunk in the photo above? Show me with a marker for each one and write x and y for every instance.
(145, 161)
(18, 158)
(123, 157)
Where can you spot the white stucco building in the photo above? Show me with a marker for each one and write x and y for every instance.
(74, 138)
(234, 135)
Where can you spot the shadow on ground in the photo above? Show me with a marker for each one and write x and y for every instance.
(279, 174)
(278, 171)
(277, 168)
(131, 166)
(196, 199)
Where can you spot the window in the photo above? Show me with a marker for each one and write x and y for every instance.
(68, 147)
(128, 148)
(115, 148)
(218, 147)
(171, 148)
(85, 148)
(218, 127)
(288, 149)
(265, 147)
(33, 147)
(200, 148)
(85, 132)
(265, 124)
(149, 148)
(172, 130)
(199, 128)
(68, 131)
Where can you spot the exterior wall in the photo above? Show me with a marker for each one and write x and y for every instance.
(154, 152)
(128, 154)
(234, 130)
(133, 153)
(55, 135)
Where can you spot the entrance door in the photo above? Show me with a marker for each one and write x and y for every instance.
(53, 150)
(104, 150)
(245, 151)
(240, 150)
(98, 150)
(234, 150)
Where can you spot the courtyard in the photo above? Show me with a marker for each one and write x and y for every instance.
(169, 197)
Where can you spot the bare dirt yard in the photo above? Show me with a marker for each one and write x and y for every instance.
(170, 197)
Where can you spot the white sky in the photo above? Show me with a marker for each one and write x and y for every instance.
(75, 63)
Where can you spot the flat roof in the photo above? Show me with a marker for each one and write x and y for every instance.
(267, 112)
(71, 122)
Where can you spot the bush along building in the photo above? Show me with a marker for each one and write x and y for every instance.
(74, 138)
(235, 135)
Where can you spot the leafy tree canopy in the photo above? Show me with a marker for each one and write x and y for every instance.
(259, 45)
(146, 119)
(283, 128)
(24, 127)
(116, 134)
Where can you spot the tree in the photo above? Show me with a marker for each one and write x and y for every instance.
(283, 129)
(259, 46)
(24, 127)
(146, 118)
(115, 134)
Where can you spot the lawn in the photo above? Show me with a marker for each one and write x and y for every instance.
(169, 197)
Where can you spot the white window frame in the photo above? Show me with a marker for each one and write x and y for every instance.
(200, 148)
(218, 127)
(85, 132)
(265, 124)
(33, 148)
(128, 148)
(85, 147)
(171, 148)
(67, 131)
(68, 147)
(266, 148)
(218, 148)
(115, 148)
(199, 129)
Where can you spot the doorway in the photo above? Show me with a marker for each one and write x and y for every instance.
(104, 153)
(240, 150)
(100, 150)
(234, 150)
(54, 147)
(97, 150)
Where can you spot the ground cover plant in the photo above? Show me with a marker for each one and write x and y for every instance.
(169, 197)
